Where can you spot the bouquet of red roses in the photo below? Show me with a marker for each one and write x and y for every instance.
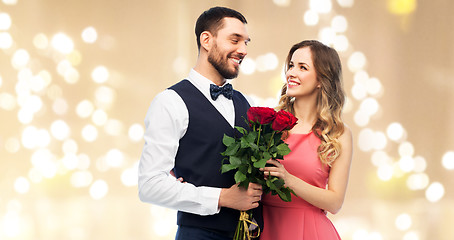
(247, 154)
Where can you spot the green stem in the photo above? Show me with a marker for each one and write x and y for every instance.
(269, 143)
(258, 138)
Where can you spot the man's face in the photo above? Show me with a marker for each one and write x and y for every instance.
(229, 48)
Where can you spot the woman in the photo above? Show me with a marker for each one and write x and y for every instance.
(318, 166)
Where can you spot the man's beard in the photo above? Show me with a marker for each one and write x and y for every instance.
(221, 64)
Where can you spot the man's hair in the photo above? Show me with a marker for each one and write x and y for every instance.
(211, 20)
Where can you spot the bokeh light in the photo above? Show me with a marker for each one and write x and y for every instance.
(356, 62)
(327, 35)
(5, 21)
(6, 41)
(73, 97)
(418, 181)
(62, 43)
(20, 58)
(100, 74)
(41, 41)
(84, 108)
(320, 6)
(10, 2)
(136, 132)
(448, 160)
(282, 3)
(99, 117)
(98, 189)
(395, 131)
(248, 66)
(89, 133)
(21, 185)
(401, 7)
(266, 62)
(89, 35)
(403, 222)
(346, 3)
(435, 192)
(81, 179)
(60, 129)
(310, 18)
(339, 24)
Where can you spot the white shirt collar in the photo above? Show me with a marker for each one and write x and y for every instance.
(201, 82)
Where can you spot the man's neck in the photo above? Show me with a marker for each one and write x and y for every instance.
(207, 70)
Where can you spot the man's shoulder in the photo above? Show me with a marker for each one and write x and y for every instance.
(166, 97)
(181, 84)
(244, 97)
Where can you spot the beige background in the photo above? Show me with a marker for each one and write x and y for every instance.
(147, 46)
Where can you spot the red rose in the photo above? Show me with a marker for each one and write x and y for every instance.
(284, 121)
(262, 115)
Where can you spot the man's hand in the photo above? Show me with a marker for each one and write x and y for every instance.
(239, 198)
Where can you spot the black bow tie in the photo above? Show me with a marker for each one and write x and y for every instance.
(226, 90)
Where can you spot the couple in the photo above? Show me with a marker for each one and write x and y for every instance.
(185, 125)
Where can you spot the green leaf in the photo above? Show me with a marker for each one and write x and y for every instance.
(271, 142)
(227, 167)
(244, 184)
(235, 160)
(270, 184)
(254, 146)
(241, 130)
(244, 143)
(232, 149)
(267, 136)
(283, 149)
(239, 177)
(283, 196)
(279, 183)
(267, 155)
(228, 140)
(253, 159)
(261, 163)
(251, 137)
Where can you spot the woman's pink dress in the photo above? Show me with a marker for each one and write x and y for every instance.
(298, 219)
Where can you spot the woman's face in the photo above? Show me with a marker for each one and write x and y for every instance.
(301, 76)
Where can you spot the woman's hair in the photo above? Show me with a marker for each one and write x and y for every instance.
(330, 100)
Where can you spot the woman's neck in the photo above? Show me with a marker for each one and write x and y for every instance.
(306, 112)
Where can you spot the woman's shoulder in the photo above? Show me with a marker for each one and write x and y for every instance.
(346, 136)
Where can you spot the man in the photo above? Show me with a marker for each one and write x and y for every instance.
(184, 129)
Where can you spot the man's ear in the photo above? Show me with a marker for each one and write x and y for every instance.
(206, 39)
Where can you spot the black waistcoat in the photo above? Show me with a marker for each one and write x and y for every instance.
(198, 159)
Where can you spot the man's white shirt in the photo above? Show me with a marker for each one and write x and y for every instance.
(166, 123)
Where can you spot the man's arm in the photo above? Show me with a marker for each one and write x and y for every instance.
(166, 122)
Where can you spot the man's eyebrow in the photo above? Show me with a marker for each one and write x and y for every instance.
(240, 36)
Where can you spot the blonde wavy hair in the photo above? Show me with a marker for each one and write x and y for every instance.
(330, 101)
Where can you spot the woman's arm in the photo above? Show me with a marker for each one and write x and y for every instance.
(332, 198)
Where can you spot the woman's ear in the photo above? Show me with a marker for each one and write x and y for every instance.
(205, 40)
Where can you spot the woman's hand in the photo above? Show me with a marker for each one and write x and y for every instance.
(278, 170)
